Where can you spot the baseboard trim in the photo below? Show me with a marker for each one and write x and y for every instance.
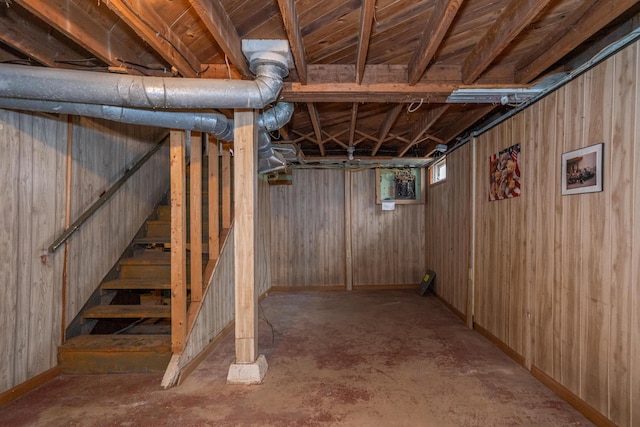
(583, 407)
(451, 308)
(500, 344)
(411, 287)
(306, 288)
(29, 385)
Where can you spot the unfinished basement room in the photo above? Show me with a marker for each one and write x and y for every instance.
(320, 213)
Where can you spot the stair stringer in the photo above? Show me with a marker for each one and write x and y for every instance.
(211, 317)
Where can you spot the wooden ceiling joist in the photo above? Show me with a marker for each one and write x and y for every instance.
(76, 24)
(25, 43)
(513, 19)
(585, 21)
(468, 119)
(144, 20)
(419, 132)
(354, 120)
(292, 27)
(386, 126)
(438, 25)
(315, 120)
(219, 24)
(364, 36)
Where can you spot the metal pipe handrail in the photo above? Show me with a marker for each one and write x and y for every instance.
(104, 197)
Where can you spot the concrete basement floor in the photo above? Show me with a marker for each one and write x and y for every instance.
(385, 358)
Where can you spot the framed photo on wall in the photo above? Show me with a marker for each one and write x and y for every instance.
(582, 170)
(404, 186)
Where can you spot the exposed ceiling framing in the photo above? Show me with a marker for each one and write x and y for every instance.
(371, 77)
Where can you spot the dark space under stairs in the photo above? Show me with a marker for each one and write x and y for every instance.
(130, 330)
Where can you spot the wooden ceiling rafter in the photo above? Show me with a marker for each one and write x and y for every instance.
(354, 120)
(419, 133)
(85, 31)
(498, 74)
(217, 21)
(317, 129)
(25, 43)
(468, 120)
(364, 36)
(389, 119)
(513, 19)
(292, 27)
(157, 34)
(439, 22)
(580, 25)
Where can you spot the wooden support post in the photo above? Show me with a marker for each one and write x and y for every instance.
(245, 192)
(214, 200)
(226, 186)
(178, 242)
(195, 184)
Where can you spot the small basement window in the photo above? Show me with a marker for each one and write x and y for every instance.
(438, 171)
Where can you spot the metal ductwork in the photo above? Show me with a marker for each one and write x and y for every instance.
(26, 82)
(149, 100)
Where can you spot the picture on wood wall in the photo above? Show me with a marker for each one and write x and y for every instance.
(504, 174)
(582, 170)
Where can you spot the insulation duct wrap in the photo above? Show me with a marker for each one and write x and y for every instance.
(150, 101)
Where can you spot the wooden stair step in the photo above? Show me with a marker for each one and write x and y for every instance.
(110, 354)
(148, 258)
(132, 311)
(162, 228)
(141, 284)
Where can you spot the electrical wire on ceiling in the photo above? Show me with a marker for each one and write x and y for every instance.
(412, 109)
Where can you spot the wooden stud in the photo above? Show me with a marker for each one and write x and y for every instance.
(195, 181)
(245, 191)
(178, 242)
(214, 199)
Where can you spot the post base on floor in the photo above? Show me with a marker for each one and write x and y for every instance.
(248, 373)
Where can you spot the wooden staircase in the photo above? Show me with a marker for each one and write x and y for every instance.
(132, 331)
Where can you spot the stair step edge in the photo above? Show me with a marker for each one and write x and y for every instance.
(127, 312)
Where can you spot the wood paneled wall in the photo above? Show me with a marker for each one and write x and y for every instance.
(387, 246)
(33, 159)
(448, 224)
(32, 178)
(557, 277)
(307, 230)
(102, 152)
(308, 237)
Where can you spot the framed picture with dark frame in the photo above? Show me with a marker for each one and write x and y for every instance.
(582, 170)
(404, 186)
